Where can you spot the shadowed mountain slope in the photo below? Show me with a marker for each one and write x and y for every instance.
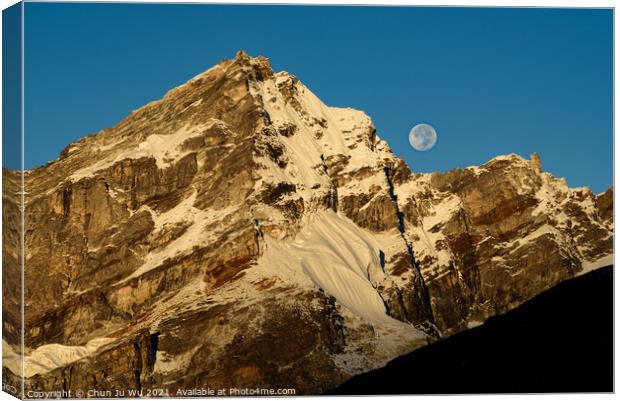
(559, 341)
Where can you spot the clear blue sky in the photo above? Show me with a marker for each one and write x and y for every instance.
(11, 86)
(491, 81)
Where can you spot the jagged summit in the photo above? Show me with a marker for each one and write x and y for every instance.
(239, 216)
(242, 57)
(242, 68)
(203, 98)
(241, 54)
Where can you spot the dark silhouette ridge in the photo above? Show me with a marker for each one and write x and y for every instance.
(559, 341)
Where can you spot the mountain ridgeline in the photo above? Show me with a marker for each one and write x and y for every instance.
(240, 233)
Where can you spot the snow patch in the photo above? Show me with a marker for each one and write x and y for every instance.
(589, 266)
(321, 132)
(195, 235)
(386, 343)
(166, 363)
(545, 229)
(48, 357)
(163, 148)
(430, 233)
(337, 256)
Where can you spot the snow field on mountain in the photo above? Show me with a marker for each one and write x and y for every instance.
(163, 148)
(313, 139)
(431, 233)
(334, 254)
(196, 234)
(302, 147)
(49, 356)
(607, 260)
(386, 341)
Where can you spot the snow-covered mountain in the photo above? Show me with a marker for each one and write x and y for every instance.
(240, 233)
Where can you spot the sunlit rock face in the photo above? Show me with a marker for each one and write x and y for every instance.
(488, 238)
(239, 232)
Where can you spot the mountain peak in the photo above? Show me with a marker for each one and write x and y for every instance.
(241, 207)
(242, 55)
(258, 67)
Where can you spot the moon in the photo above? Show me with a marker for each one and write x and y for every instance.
(423, 137)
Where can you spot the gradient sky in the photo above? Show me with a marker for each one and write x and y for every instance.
(491, 81)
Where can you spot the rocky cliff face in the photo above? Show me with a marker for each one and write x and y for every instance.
(491, 237)
(240, 233)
